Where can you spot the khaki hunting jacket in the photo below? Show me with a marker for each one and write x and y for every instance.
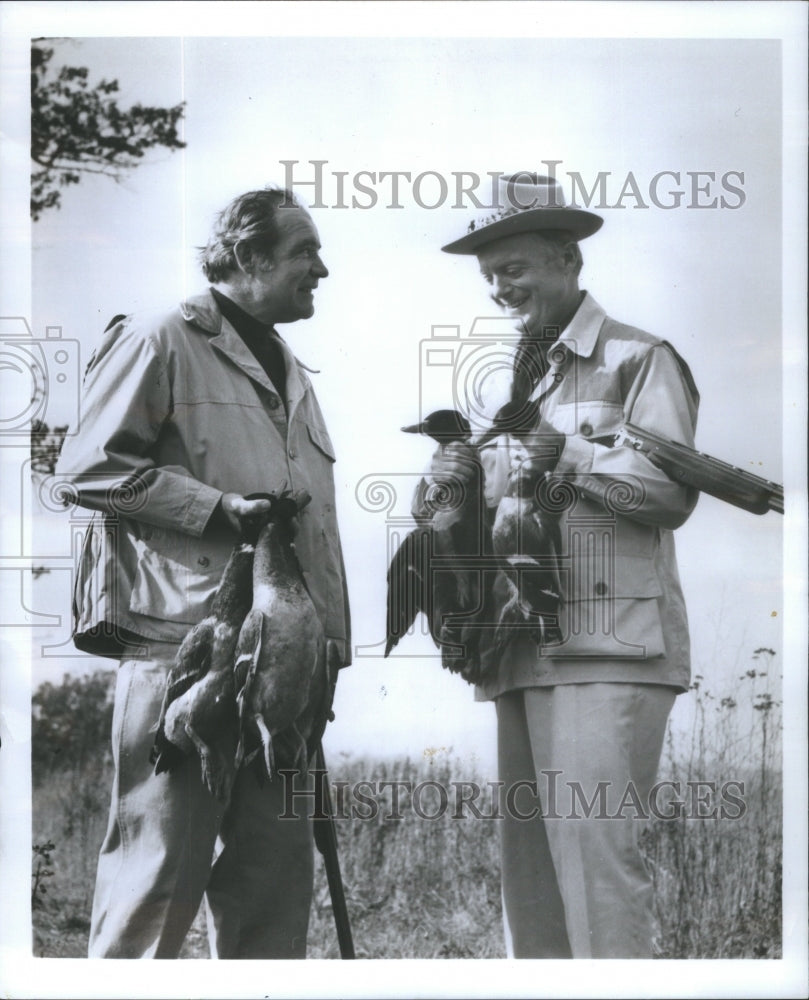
(177, 411)
(623, 615)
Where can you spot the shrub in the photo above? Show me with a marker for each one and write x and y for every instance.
(71, 723)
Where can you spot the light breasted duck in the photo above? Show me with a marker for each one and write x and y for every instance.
(281, 673)
(526, 537)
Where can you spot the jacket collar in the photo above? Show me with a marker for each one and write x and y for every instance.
(203, 312)
(581, 333)
(579, 337)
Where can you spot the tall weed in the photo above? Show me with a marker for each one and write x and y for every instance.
(430, 888)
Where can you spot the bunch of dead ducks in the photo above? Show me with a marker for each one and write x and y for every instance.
(481, 579)
(250, 684)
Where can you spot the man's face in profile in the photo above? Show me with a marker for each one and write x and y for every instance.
(288, 281)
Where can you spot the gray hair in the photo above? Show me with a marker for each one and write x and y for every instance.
(248, 221)
(558, 239)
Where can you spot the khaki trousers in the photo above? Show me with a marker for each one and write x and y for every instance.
(169, 842)
(576, 886)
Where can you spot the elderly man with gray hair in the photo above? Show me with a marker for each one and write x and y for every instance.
(581, 706)
(199, 407)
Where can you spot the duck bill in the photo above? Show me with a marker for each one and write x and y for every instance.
(301, 498)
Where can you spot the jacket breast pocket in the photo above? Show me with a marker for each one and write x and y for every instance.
(176, 577)
(320, 439)
(589, 419)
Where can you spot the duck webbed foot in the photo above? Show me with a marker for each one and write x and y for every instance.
(511, 616)
(216, 766)
(532, 605)
(266, 745)
(548, 632)
(165, 756)
(458, 650)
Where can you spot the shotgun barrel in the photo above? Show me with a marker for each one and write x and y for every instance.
(326, 841)
(704, 473)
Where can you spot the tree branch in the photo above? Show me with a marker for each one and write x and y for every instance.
(77, 129)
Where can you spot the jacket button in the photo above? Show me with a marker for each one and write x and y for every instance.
(273, 401)
(558, 377)
(601, 588)
(292, 453)
(586, 428)
(203, 561)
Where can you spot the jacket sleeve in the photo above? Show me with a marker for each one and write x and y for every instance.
(108, 463)
(662, 400)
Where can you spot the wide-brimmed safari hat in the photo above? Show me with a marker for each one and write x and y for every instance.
(526, 203)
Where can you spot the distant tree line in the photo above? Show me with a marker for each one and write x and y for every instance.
(46, 443)
(71, 723)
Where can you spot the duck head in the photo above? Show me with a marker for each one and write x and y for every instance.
(443, 426)
(285, 506)
(288, 504)
(275, 559)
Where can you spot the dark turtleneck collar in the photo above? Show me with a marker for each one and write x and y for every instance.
(260, 338)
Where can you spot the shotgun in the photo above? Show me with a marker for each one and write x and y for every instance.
(706, 474)
(326, 841)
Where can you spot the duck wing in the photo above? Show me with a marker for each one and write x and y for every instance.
(543, 589)
(207, 645)
(245, 669)
(409, 585)
(311, 723)
(192, 663)
(528, 539)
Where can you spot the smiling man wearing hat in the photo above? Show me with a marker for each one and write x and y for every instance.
(584, 717)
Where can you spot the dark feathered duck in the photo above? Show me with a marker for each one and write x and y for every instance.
(443, 426)
(281, 673)
(429, 572)
(199, 709)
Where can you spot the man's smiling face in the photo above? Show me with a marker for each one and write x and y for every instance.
(532, 279)
(284, 287)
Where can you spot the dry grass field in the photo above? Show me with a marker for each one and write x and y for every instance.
(429, 888)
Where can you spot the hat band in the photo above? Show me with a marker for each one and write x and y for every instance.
(505, 213)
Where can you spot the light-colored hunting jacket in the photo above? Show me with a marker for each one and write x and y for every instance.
(623, 616)
(177, 411)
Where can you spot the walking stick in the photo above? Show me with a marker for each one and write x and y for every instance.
(326, 841)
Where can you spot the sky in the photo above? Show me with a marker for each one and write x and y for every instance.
(711, 280)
